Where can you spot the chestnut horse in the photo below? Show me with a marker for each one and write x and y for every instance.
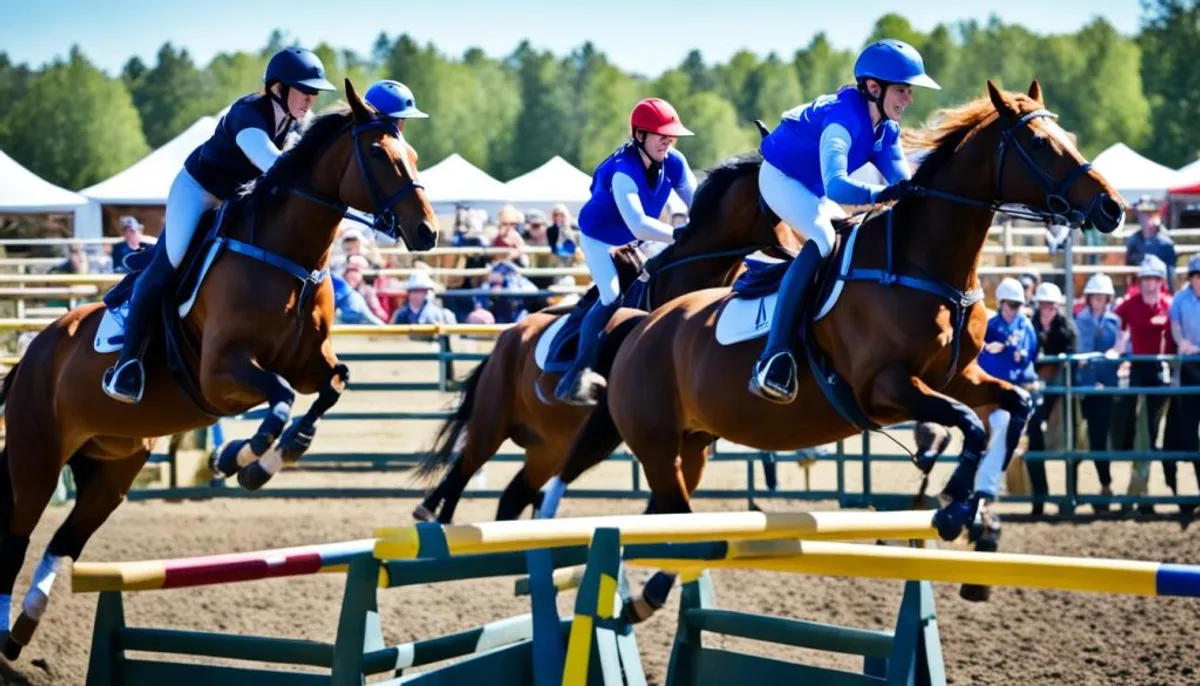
(257, 332)
(903, 341)
(509, 397)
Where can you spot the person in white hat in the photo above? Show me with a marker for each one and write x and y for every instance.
(1056, 336)
(1098, 329)
(418, 307)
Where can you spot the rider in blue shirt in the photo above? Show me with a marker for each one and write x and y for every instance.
(247, 141)
(629, 191)
(807, 162)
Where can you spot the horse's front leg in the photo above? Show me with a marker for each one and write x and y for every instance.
(897, 391)
(237, 374)
(331, 377)
(1007, 408)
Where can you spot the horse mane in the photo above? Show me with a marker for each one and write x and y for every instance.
(301, 157)
(717, 181)
(949, 129)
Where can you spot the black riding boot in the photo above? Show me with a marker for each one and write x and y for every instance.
(125, 381)
(774, 376)
(578, 385)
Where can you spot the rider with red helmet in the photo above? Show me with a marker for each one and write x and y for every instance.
(629, 191)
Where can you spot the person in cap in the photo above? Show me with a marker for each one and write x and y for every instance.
(805, 175)
(629, 191)
(131, 231)
(419, 308)
(1056, 336)
(1010, 343)
(246, 142)
(1098, 329)
(1183, 423)
(1146, 330)
(1151, 240)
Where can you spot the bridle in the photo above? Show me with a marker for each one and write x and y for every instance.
(1058, 210)
(384, 220)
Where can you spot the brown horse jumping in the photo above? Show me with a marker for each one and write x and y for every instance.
(509, 397)
(257, 331)
(904, 333)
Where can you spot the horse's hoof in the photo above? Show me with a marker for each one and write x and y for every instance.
(636, 611)
(423, 514)
(253, 477)
(953, 518)
(12, 649)
(975, 593)
(225, 460)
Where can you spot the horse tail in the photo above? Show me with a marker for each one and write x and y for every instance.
(5, 386)
(450, 434)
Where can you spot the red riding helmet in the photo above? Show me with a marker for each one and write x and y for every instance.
(657, 116)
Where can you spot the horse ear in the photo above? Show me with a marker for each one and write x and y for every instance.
(361, 113)
(1035, 91)
(1001, 101)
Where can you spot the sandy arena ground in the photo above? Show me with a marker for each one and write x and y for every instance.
(1021, 636)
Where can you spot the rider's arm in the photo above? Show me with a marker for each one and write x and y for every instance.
(257, 146)
(629, 203)
(891, 161)
(839, 187)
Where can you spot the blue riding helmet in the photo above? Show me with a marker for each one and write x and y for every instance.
(298, 68)
(394, 100)
(893, 61)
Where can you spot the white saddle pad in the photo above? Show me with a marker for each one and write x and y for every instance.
(542, 351)
(747, 319)
(110, 335)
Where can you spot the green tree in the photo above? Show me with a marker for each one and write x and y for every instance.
(74, 126)
(543, 129)
(230, 76)
(714, 120)
(607, 102)
(892, 25)
(1170, 32)
(820, 68)
(773, 89)
(14, 80)
(734, 83)
(171, 96)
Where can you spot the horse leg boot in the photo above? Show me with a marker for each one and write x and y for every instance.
(774, 376)
(297, 439)
(897, 390)
(235, 374)
(581, 384)
(125, 381)
(101, 486)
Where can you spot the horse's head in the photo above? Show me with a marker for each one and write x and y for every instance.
(381, 178)
(1038, 166)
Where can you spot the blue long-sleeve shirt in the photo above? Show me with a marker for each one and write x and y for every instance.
(1014, 363)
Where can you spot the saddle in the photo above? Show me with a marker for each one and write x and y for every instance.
(203, 250)
(756, 288)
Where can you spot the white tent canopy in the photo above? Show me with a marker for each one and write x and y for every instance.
(1133, 175)
(1190, 173)
(23, 192)
(148, 180)
(553, 182)
(455, 180)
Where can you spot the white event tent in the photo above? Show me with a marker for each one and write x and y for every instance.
(147, 181)
(1133, 175)
(23, 192)
(555, 181)
(455, 180)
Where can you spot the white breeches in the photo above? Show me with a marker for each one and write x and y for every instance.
(808, 215)
(186, 203)
(600, 265)
(991, 467)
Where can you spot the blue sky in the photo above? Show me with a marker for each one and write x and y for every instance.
(109, 32)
